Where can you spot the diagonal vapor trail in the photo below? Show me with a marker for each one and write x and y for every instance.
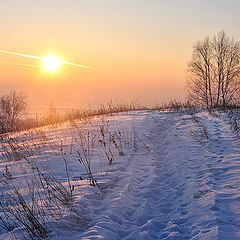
(22, 55)
(43, 58)
(20, 64)
(77, 65)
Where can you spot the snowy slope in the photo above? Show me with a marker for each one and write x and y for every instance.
(182, 181)
(184, 189)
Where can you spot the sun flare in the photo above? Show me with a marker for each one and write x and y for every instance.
(51, 64)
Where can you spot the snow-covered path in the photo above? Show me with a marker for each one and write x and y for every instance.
(187, 187)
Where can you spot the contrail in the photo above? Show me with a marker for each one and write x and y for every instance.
(20, 64)
(43, 58)
(77, 65)
(22, 55)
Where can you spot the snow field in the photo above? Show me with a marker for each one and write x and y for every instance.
(178, 178)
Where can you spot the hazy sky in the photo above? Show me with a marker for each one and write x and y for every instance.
(139, 48)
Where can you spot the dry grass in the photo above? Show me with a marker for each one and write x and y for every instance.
(35, 196)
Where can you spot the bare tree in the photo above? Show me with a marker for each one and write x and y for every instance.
(227, 56)
(214, 71)
(12, 106)
(200, 68)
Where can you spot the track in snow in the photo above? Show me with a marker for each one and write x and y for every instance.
(182, 189)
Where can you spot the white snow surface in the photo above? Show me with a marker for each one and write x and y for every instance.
(179, 183)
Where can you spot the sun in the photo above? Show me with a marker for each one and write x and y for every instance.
(51, 63)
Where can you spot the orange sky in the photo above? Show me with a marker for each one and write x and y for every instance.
(139, 49)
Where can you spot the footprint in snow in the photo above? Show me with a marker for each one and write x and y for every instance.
(200, 193)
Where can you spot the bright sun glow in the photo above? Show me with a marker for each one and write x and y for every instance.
(51, 63)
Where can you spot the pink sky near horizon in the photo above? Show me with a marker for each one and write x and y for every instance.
(139, 49)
